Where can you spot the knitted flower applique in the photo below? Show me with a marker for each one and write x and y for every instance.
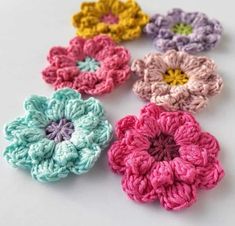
(120, 20)
(177, 80)
(94, 66)
(164, 156)
(57, 136)
(185, 31)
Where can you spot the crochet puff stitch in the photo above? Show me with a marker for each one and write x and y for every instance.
(58, 135)
(94, 66)
(177, 80)
(121, 20)
(184, 31)
(164, 156)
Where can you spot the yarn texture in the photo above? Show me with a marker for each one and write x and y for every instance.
(177, 80)
(93, 66)
(121, 20)
(184, 31)
(57, 136)
(164, 156)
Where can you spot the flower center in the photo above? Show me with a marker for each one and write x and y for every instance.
(60, 130)
(163, 148)
(110, 18)
(175, 77)
(88, 65)
(182, 29)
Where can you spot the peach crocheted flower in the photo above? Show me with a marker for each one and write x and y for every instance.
(94, 66)
(177, 80)
(118, 19)
(164, 156)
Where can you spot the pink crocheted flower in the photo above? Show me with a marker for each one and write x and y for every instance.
(93, 66)
(164, 155)
(177, 80)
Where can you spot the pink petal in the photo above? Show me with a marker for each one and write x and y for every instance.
(173, 59)
(215, 83)
(94, 45)
(125, 124)
(210, 175)
(183, 170)
(116, 157)
(139, 163)
(209, 143)
(169, 122)
(138, 68)
(188, 133)
(75, 52)
(138, 188)
(85, 81)
(62, 61)
(178, 196)
(194, 154)
(152, 110)
(142, 89)
(56, 51)
(49, 74)
(77, 41)
(67, 74)
(161, 175)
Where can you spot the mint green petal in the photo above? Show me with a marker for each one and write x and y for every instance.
(103, 134)
(94, 106)
(66, 94)
(37, 119)
(65, 152)
(87, 122)
(14, 127)
(43, 149)
(74, 109)
(17, 155)
(36, 103)
(82, 138)
(86, 160)
(48, 171)
(56, 110)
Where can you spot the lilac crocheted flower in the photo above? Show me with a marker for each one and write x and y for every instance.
(185, 31)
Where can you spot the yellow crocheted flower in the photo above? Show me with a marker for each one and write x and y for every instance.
(118, 19)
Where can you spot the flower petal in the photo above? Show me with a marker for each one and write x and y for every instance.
(65, 152)
(116, 157)
(172, 58)
(169, 122)
(94, 106)
(56, 51)
(215, 84)
(74, 109)
(161, 175)
(139, 163)
(188, 133)
(37, 119)
(49, 74)
(210, 144)
(152, 110)
(48, 170)
(142, 89)
(210, 175)
(183, 170)
(178, 196)
(36, 103)
(86, 160)
(194, 154)
(138, 187)
(62, 61)
(125, 124)
(17, 155)
(138, 67)
(40, 150)
(66, 94)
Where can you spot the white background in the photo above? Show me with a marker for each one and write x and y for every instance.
(28, 28)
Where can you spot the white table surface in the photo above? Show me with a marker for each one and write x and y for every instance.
(28, 28)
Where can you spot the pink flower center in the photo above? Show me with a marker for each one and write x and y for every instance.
(109, 18)
(163, 148)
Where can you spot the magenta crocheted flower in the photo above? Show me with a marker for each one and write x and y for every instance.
(177, 80)
(164, 156)
(184, 31)
(93, 66)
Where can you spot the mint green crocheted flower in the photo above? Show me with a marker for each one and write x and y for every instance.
(57, 136)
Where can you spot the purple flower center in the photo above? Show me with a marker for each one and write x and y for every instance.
(60, 130)
(163, 148)
(110, 18)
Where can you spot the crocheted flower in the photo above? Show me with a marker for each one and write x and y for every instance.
(94, 66)
(57, 136)
(120, 20)
(164, 156)
(177, 80)
(184, 31)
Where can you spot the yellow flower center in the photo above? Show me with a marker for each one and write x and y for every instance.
(175, 77)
